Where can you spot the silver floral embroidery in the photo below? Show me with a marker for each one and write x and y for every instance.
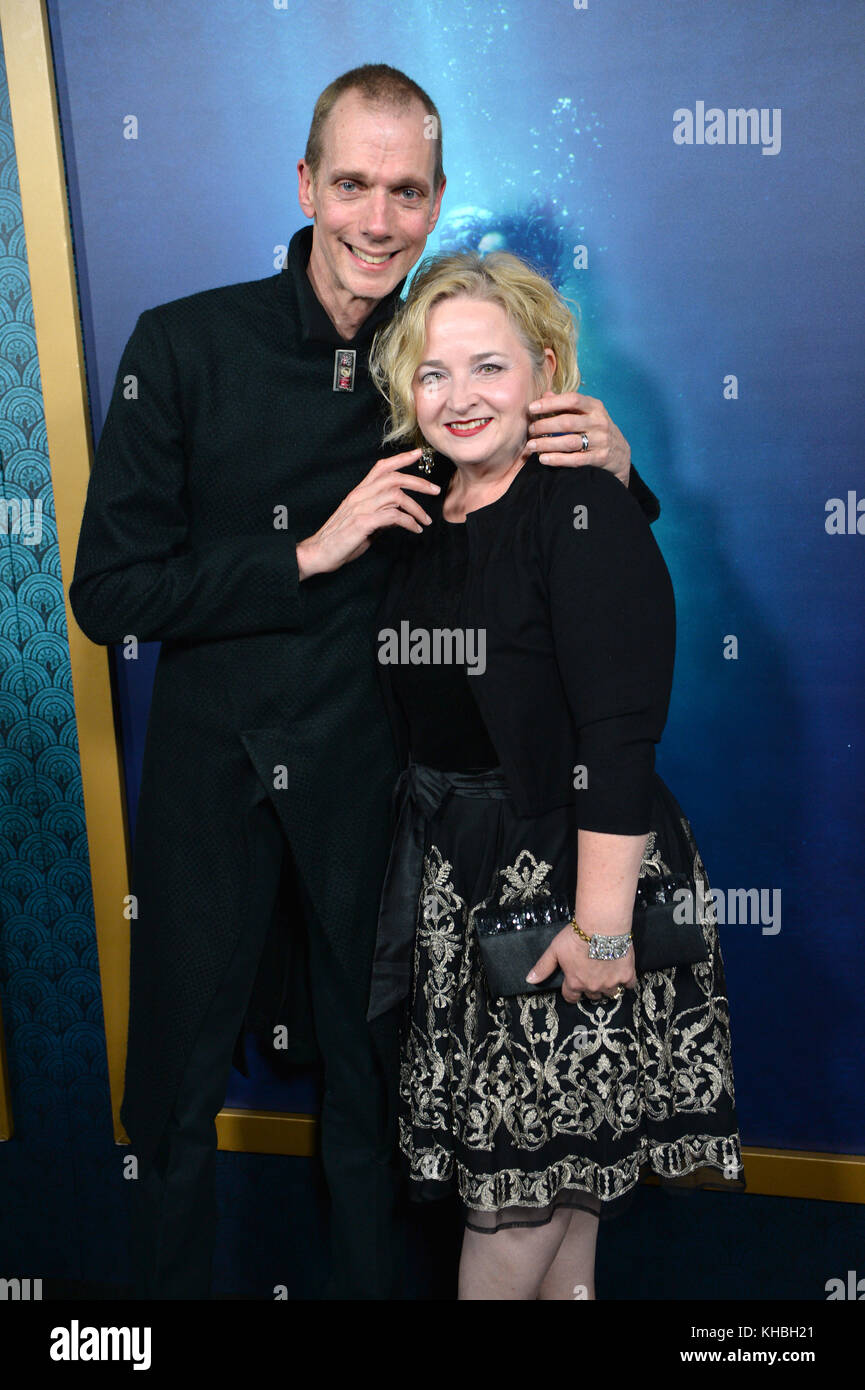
(524, 879)
(659, 1051)
(652, 863)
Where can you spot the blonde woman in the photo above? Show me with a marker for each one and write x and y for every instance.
(526, 648)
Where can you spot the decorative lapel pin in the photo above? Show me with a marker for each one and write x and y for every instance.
(343, 369)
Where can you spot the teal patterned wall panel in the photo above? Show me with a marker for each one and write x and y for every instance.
(49, 975)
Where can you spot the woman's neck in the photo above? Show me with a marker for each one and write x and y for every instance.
(476, 485)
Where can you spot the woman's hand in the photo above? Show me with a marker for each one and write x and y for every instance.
(608, 871)
(594, 978)
(379, 500)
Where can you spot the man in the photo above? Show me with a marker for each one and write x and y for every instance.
(228, 516)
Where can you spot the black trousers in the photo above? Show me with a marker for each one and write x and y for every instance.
(174, 1212)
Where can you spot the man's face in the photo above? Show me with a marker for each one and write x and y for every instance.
(372, 200)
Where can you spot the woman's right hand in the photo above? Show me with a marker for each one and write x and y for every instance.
(583, 974)
(379, 500)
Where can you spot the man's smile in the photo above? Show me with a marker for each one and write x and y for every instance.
(370, 258)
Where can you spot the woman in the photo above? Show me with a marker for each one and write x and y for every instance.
(526, 648)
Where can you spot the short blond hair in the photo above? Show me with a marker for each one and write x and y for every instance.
(380, 85)
(539, 315)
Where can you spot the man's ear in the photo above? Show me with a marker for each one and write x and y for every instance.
(305, 188)
(436, 206)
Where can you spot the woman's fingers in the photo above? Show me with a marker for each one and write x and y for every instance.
(544, 966)
(590, 986)
(576, 986)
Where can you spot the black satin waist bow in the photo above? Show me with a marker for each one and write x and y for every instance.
(419, 793)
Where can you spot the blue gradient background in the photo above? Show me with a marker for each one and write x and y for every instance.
(703, 261)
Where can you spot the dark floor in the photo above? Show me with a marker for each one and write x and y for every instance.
(273, 1232)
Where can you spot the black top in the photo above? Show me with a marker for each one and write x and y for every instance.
(567, 582)
(445, 727)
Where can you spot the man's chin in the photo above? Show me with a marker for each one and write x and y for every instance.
(371, 282)
(362, 289)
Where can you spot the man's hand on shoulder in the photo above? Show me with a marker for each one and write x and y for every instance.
(569, 416)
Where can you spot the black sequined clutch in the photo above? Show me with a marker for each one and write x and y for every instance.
(512, 939)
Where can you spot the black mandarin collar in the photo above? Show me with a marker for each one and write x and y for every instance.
(315, 323)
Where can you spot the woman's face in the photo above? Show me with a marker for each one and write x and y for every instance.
(474, 384)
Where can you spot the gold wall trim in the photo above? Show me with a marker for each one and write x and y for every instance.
(27, 44)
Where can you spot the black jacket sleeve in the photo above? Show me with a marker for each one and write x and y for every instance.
(643, 494)
(136, 571)
(613, 620)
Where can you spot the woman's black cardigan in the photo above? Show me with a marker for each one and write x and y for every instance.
(568, 581)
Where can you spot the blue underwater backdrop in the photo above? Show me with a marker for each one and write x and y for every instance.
(721, 322)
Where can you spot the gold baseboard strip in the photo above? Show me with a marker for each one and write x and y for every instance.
(823, 1177)
(267, 1132)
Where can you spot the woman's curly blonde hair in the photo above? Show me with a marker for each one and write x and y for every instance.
(540, 317)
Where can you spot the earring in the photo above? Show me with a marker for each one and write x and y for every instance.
(425, 462)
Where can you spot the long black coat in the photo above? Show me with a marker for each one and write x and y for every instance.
(223, 411)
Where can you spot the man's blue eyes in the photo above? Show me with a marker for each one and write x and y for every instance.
(346, 186)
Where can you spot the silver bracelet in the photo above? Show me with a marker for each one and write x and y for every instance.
(609, 947)
(604, 947)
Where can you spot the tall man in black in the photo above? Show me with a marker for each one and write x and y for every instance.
(229, 516)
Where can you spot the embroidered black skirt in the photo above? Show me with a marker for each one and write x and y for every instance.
(527, 1104)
